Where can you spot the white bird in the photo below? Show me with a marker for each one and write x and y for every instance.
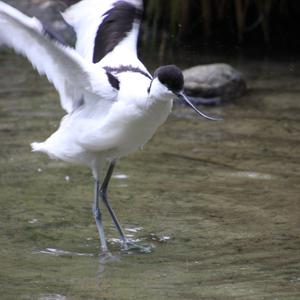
(113, 104)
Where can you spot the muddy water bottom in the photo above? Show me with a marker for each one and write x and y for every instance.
(217, 201)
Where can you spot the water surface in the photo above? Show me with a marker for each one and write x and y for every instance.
(218, 201)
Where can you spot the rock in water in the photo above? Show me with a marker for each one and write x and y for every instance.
(215, 80)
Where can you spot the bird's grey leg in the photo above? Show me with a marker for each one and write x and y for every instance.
(103, 194)
(98, 217)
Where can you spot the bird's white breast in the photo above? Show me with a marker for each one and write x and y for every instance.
(131, 121)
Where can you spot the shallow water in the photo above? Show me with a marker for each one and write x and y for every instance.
(218, 201)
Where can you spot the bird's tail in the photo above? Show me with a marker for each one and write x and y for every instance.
(37, 147)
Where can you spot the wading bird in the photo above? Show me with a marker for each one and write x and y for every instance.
(113, 104)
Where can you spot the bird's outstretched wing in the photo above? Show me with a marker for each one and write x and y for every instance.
(107, 30)
(72, 76)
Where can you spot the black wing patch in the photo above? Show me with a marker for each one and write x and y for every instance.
(122, 69)
(114, 82)
(117, 23)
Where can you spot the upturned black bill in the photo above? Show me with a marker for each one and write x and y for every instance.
(182, 96)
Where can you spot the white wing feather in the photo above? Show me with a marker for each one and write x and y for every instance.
(71, 75)
(86, 17)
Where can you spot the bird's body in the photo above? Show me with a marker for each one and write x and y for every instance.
(88, 137)
(113, 104)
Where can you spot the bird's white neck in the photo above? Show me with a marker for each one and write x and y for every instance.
(159, 92)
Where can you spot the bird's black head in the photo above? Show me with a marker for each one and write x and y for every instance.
(171, 77)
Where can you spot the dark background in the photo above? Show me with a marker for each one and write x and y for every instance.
(268, 26)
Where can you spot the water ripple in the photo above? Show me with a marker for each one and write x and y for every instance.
(52, 297)
(59, 252)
